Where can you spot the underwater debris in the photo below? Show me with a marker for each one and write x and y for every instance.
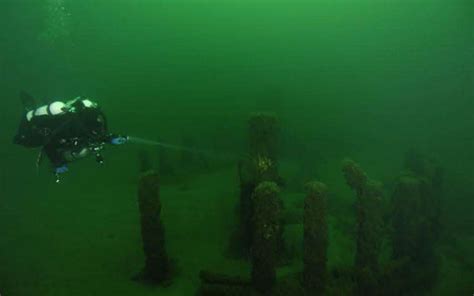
(267, 233)
(369, 227)
(315, 239)
(157, 264)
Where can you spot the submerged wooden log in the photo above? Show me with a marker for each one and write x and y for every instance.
(260, 166)
(315, 239)
(415, 234)
(369, 227)
(157, 264)
(267, 232)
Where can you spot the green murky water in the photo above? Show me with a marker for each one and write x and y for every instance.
(367, 79)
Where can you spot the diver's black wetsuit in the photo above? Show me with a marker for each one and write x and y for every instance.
(79, 129)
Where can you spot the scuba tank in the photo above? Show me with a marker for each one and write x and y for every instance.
(40, 124)
(53, 109)
(37, 125)
(59, 108)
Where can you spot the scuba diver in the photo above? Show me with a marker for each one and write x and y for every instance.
(65, 131)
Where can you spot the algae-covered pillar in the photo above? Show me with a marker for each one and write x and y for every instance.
(315, 239)
(263, 145)
(266, 220)
(429, 171)
(424, 166)
(157, 265)
(415, 233)
(369, 227)
(407, 206)
(261, 165)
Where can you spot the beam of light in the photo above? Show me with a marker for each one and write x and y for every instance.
(142, 141)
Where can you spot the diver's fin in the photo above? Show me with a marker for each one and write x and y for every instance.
(28, 101)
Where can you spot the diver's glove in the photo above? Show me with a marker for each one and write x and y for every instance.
(61, 170)
(119, 140)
